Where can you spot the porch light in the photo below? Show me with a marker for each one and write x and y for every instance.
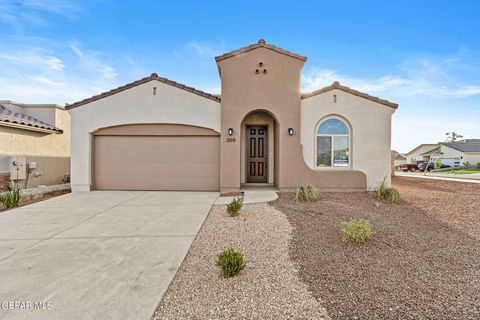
(290, 131)
(230, 131)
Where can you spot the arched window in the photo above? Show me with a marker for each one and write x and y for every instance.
(333, 144)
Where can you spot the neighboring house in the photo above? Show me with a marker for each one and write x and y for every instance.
(35, 137)
(420, 153)
(398, 159)
(454, 154)
(460, 152)
(157, 134)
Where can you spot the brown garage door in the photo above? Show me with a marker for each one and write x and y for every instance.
(123, 162)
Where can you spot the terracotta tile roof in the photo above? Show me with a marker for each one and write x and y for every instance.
(260, 44)
(337, 85)
(9, 116)
(153, 76)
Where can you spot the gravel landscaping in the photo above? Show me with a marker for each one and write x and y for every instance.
(423, 261)
(268, 288)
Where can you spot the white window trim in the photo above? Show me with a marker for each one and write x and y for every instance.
(349, 135)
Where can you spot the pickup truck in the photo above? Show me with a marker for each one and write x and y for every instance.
(408, 167)
(430, 166)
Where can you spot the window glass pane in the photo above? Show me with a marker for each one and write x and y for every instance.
(332, 126)
(340, 151)
(324, 151)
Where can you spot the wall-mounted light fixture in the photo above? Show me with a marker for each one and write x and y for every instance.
(290, 131)
(230, 131)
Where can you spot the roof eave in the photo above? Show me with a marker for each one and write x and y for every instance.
(152, 77)
(29, 127)
(337, 85)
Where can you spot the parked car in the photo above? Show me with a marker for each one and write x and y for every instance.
(408, 167)
(430, 166)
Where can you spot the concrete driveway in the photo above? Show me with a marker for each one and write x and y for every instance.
(96, 255)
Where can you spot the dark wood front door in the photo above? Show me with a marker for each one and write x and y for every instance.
(257, 154)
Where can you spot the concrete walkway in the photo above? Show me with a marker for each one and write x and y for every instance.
(252, 195)
(438, 177)
(97, 255)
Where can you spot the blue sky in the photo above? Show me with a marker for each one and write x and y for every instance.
(424, 55)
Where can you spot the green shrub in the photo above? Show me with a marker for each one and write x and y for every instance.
(478, 165)
(306, 193)
(466, 164)
(10, 198)
(233, 208)
(386, 193)
(356, 230)
(231, 262)
(438, 163)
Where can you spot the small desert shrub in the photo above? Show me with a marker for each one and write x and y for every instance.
(231, 262)
(10, 198)
(386, 193)
(233, 208)
(356, 230)
(306, 193)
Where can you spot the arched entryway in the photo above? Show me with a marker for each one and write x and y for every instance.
(258, 149)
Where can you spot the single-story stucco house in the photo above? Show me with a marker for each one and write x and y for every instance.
(456, 154)
(34, 144)
(157, 134)
(419, 153)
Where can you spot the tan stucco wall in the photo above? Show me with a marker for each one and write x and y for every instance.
(51, 151)
(278, 92)
(137, 105)
(370, 125)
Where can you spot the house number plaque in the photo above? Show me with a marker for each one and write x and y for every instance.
(230, 140)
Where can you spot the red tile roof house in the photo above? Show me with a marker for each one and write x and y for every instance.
(157, 134)
(33, 135)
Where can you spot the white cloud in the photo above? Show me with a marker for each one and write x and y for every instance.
(35, 74)
(420, 79)
(32, 12)
(67, 8)
(206, 50)
(92, 61)
(35, 57)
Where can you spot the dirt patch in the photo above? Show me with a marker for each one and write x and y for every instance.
(422, 263)
(269, 286)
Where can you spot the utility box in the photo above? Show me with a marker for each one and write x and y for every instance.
(18, 168)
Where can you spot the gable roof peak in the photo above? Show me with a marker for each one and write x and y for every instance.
(337, 85)
(153, 76)
(261, 43)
